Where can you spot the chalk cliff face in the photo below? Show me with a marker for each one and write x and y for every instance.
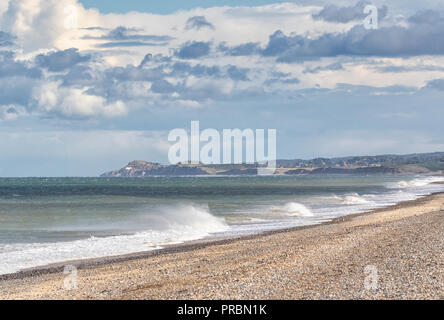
(386, 164)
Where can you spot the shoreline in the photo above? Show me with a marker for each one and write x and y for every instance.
(402, 242)
(191, 245)
(194, 245)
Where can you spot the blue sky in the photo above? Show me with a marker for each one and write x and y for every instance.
(87, 86)
(165, 7)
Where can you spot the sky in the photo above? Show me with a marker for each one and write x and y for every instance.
(167, 7)
(87, 86)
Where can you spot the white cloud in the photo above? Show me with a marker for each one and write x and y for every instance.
(73, 102)
(43, 25)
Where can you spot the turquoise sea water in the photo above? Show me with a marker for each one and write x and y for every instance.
(47, 220)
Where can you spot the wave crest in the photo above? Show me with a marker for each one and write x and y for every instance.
(187, 217)
(168, 225)
(293, 209)
(355, 199)
(417, 182)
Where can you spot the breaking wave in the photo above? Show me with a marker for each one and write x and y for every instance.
(418, 182)
(170, 225)
(186, 218)
(355, 199)
(293, 209)
(350, 199)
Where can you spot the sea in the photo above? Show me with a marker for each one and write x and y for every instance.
(53, 220)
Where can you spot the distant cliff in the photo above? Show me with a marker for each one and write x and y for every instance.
(145, 169)
(384, 164)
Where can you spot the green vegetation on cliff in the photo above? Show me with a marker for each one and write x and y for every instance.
(383, 164)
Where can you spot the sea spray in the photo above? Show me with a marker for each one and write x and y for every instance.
(292, 209)
(417, 182)
(349, 199)
(170, 225)
(63, 219)
(355, 199)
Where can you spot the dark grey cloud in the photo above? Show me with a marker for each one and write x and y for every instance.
(397, 69)
(6, 39)
(426, 17)
(129, 34)
(193, 50)
(278, 80)
(279, 43)
(157, 59)
(117, 44)
(395, 41)
(79, 76)
(184, 69)
(239, 74)
(117, 83)
(17, 80)
(9, 67)
(163, 86)
(120, 33)
(333, 13)
(424, 36)
(245, 49)
(17, 91)
(95, 29)
(198, 22)
(132, 73)
(128, 37)
(61, 60)
(331, 67)
(437, 84)
(290, 81)
(148, 57)
(278, 74)
(12, 110)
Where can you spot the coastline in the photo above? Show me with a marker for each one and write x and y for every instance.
(194, 244)
(32, 280)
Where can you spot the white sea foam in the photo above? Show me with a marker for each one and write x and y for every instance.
(417, 182)
(355, 199)
(180, 223)
(293, 209)
(349, 199)
(170, 225)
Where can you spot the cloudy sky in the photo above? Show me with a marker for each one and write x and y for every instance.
(87, 86)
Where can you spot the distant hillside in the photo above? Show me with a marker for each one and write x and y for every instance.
(383, 164)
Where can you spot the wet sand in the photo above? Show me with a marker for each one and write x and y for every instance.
(391, 253)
